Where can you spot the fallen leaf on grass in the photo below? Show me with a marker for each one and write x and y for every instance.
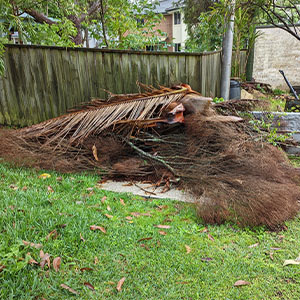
(37, 246)
(254, 245)
(45, 258)
(163, 226)
(167, 220)
(81, 237)
(108, 216)
(241, 283)
(137, 214)
(32, 261)
(275, 249)
(161, 207)
(145, 239)
(96, 260)
(128, 218)
(88, 285)
(86, 269)
(2, 267)
(50, 189)
(187, 248)
(122, 201)
(108, 208)
(103, 199)
(52, 234)
(14, 187)
(56, 263)
(145, 246)
(44, 176)
(120, 283)
(206, 259)
(95, 227)
(24, 188)
(64, 286)
(162, 232)
(59, 178)
(210, 237)
(292, 261)
(271, 255)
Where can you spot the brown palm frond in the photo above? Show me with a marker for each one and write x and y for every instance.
(98, 115)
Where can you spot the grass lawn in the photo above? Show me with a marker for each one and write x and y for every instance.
(188, 260)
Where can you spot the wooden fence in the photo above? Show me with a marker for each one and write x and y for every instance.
(43, 82)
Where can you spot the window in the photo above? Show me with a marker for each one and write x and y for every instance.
(150, 48)
(177, 47)
(154, 47)
(177, 18)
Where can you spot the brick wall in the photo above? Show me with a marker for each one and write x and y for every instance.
(276, 50)
(166, 26)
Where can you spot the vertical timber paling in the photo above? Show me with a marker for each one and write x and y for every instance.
(42, 82)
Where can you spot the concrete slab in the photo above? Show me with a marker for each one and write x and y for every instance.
(146, 190)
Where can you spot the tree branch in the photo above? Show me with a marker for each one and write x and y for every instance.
(39, 18)
(285, 26)
(148, 155)
(93, 9)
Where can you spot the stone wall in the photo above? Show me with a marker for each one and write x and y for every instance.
(275, 49)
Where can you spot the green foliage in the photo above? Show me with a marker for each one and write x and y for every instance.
(122, 29)
(277, 104)
(155, 268)
(54, 35)
(218, 100)
(269, 131)
(207, 34)
(3, 40)
(278, 92)
(114, 23)
(294, 108)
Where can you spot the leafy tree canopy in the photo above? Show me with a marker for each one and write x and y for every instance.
(115, 23)
(206, 20)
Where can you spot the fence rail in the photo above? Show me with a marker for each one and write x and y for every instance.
(42, 82)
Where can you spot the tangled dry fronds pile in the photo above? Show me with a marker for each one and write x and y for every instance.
(174, 134)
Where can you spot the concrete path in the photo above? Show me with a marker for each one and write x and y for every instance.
(145, 190)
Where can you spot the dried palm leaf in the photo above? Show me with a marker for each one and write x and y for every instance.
(98, 115)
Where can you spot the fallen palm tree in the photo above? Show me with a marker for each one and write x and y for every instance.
(172, 134)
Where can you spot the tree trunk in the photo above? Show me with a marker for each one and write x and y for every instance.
(86, 37)
(78, 38)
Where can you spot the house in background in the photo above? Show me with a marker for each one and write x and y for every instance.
(172, 23)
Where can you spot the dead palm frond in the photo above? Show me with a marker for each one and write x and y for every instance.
(98, 115)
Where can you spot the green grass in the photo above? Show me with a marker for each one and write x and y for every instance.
(295, 160)
(158, 268)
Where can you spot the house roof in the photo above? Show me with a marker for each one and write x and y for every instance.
(166, 6)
